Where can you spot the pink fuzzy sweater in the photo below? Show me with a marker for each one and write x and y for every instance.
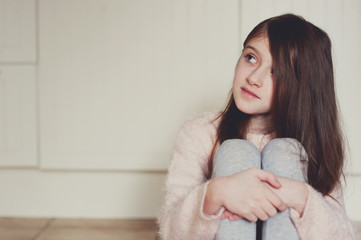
(182, 216)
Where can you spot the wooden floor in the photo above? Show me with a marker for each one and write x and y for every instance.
(80, 229)
(76, 229)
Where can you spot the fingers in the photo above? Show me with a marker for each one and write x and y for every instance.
(230, 216)
(265, 205)
(250, 216)
(268, 177)
(225, 214)
(234, 217)
(261, 214)
(253, 199)
(262, 209)
(275, 200)
(269, 210)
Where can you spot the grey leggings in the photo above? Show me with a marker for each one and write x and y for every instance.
(284, 157)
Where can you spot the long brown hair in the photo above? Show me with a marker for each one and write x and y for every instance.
(304, 104)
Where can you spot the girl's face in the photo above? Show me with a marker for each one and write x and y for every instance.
(253, 81)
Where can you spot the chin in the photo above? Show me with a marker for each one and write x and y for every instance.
(246, 111)
(253, 112)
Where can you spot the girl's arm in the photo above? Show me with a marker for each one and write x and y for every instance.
(293, 193)
(314, 215)
(182, 216)
(246, 195)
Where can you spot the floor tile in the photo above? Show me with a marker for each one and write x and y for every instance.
(85, 229)
(21, 228)
(81, 229)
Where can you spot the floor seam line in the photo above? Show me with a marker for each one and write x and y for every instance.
(43, 229)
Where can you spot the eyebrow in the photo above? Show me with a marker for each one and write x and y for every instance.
(253, 48)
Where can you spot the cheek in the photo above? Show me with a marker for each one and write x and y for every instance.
(235, 83)
(237, 80)
(270, 92)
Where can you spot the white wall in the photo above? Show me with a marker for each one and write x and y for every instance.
(115, 75)
(115, 80)
(88, 121)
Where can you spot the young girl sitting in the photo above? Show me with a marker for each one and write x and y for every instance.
(269, 166)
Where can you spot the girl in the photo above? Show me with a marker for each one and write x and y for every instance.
(269, 165)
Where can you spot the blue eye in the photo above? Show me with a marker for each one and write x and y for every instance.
(250, 58)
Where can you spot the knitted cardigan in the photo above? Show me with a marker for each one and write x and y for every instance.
(182, 217)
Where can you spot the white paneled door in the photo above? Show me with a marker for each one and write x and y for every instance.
(18, 136)
(18, 31)
(18, 133)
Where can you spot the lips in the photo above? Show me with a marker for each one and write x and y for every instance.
(249, 93)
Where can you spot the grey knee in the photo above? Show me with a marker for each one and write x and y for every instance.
(237, 145)
(285, 157)
(235, 155)
(287, 146)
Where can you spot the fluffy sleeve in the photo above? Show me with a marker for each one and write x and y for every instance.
(324, 217)
(182, 216)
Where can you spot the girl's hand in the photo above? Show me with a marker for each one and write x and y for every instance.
(246, 194)
(230, 216)
(294, 193)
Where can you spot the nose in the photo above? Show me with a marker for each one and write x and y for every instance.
(257, 77)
